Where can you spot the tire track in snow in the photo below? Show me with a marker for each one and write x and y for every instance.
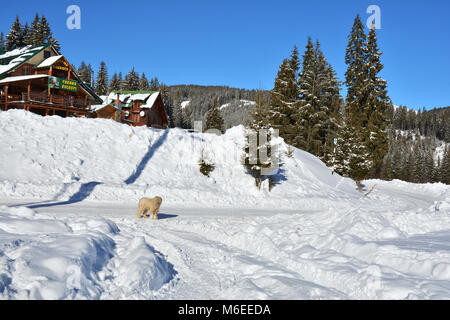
(210, 269)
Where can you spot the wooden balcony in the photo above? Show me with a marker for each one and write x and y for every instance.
(43, 98)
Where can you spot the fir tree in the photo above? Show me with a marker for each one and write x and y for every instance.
(356, 75)
(36, 36)
(131, 82)
(143, 83)
(2, 42)
(445, 167)
(376, 105)
(318, 115)
(214, 119)
(177, 113)
(85, 73)
(285, 99)
(115, 83)
(101, 85)
(260, 114)
(27, 35)
(14, 39)
(154, 84)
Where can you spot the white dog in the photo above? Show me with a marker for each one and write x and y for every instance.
(149, 204)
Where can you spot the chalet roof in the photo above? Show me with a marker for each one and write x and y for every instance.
(48, 62)
(22, 78)
(151, 100)
(127, 97)
(12, 59)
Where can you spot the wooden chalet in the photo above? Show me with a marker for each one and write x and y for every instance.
(40, 80)
(136, 108)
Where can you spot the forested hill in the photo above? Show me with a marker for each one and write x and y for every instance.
(431, 123)
(188, 103)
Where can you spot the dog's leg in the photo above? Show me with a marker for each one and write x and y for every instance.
(155, 214)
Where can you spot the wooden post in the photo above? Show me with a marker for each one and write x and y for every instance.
(46, 112)
(28, 90)
(6, 101)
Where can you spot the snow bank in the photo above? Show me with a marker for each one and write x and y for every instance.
(98, 159)
(44, 257)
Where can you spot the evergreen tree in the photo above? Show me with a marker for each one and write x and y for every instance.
(2, 42)
(154, 84)
(214, 119)
(318, 116)
(445, 167)
(376, 105)
(115, 83)
(285, 99)
(177, 113)
(36, 36)
(85, 73)
(131, 82)
(27, 35)
(260, 114)
(356, 75)
(14, 39)
(101, 85)
(143, 83)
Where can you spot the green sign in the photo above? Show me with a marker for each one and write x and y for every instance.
(62, 84)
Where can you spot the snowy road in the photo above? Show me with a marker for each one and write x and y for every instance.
(354, 253)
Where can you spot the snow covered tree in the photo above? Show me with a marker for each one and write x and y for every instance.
(318, 114)
(2, 42)
(143, 83)
(376, 104)
(35, 35)
(214, 119)
(285, 98)
(115, 83)
(260, 114)
(356, 75)
(177, 114)
(154, 84)
(27, 35)
(14, 39)
(131, 81)
(85, 72)
(101, 85)
(445, 167)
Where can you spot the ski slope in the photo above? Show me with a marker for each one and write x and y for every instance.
(68, 229)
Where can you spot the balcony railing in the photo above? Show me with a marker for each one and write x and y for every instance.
(63, 101)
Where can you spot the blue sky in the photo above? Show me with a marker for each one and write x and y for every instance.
(241, 43)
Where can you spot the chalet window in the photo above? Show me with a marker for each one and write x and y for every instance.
(47, 54)
(26, 70)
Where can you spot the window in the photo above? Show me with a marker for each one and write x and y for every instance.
(47, 54)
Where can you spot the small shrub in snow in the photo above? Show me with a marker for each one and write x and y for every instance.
(206, 165)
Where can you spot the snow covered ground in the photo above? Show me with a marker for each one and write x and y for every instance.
(68, 228)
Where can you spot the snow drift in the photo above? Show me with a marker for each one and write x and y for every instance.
(98, 159)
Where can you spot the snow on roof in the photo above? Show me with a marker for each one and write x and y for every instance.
(21, 78)
(129, 97)
(151, 100)
(49, 61)
(18, 56)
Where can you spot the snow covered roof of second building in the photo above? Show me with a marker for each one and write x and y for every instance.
(130, 96)
(48, 62)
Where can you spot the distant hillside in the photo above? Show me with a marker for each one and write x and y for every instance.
(201, 99)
